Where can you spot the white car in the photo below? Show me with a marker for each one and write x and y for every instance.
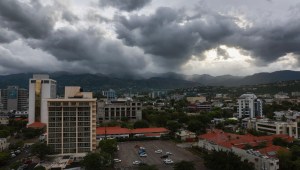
(136, 162)
(168, 153)
(158, 151)
(13, 155)
(143, 155)
(168, 161)
(117, 160)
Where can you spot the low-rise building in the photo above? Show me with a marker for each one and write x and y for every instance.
(3, 144)
(273, 127)
(197, 99)
(4, 120)
(119, 109)
(185, 135)
(264, 158)
(119, 133)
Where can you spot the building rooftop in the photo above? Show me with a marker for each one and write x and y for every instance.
(37, 125)
(119, 130)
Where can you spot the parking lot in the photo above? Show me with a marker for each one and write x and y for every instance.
(128, 153)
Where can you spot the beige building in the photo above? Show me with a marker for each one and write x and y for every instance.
(116, 110)
(4, 120)
(3, 144)
(72, 122)
(198, 99)
(273, 127)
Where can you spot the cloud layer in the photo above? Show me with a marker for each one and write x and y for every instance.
(136, 37)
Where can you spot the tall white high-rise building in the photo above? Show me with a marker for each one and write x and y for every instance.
(249, 106)
(40, 87)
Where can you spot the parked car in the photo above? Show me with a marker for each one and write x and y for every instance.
(168, 153)
(164, 156)
(143, 155)
(158, 151)
(12, 155)
(168, 161)
(117, 160)
(136, 162)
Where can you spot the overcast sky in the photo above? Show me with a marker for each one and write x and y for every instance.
(217, 37)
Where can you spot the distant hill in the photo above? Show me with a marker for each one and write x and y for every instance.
(94, 82)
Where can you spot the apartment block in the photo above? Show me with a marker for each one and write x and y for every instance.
(249, 106)
(14, 98)
(72, 122)
(116, 110)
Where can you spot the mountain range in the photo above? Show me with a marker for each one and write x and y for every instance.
(94, 82)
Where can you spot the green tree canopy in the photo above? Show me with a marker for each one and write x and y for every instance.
(217, 160)
(4, 157)
(41, 149)
(184, 165)
(39, 168)
(141, 124)
(95, 161)
(147, 167)
(108, 146)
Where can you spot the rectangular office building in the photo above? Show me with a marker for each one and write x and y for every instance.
(72, 122)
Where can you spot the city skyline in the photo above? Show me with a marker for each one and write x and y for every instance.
(127, 36)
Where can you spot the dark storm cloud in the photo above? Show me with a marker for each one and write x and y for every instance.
(269, 42)
(7, 36)
(171, 35)
(30, 20)
(125, 5)
(90, 49)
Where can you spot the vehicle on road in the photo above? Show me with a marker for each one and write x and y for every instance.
(169, 153)
(117, 160)
(168, 161)
(12, 155)
(158, 151)
(143, 155)
(164, 156)
(136, 162)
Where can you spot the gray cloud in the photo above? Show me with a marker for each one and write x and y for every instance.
(90, 49)
(30, 20)
(7, 36)
(125, 5)
(171, 35)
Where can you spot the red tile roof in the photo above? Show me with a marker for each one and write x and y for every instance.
(229, 140)
(112, 130)
(272, 148)
(149, 130)
(38, 125)
(119, 130)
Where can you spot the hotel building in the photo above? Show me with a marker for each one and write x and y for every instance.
(72, 122)
(14, 98)
(40, 87)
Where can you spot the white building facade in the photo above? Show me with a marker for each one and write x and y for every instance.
(249, 106)
(40, 87)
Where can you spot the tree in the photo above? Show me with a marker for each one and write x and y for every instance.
(30, 133)
(173, 126)
(184, 165)
(285, 162)
(141, 124)
(39, 168)
(147, 167)
(108, 146)
(196, 126)
(94, 161)
(280, 142)
(41, 149)
(4, 157)
(217, 160)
